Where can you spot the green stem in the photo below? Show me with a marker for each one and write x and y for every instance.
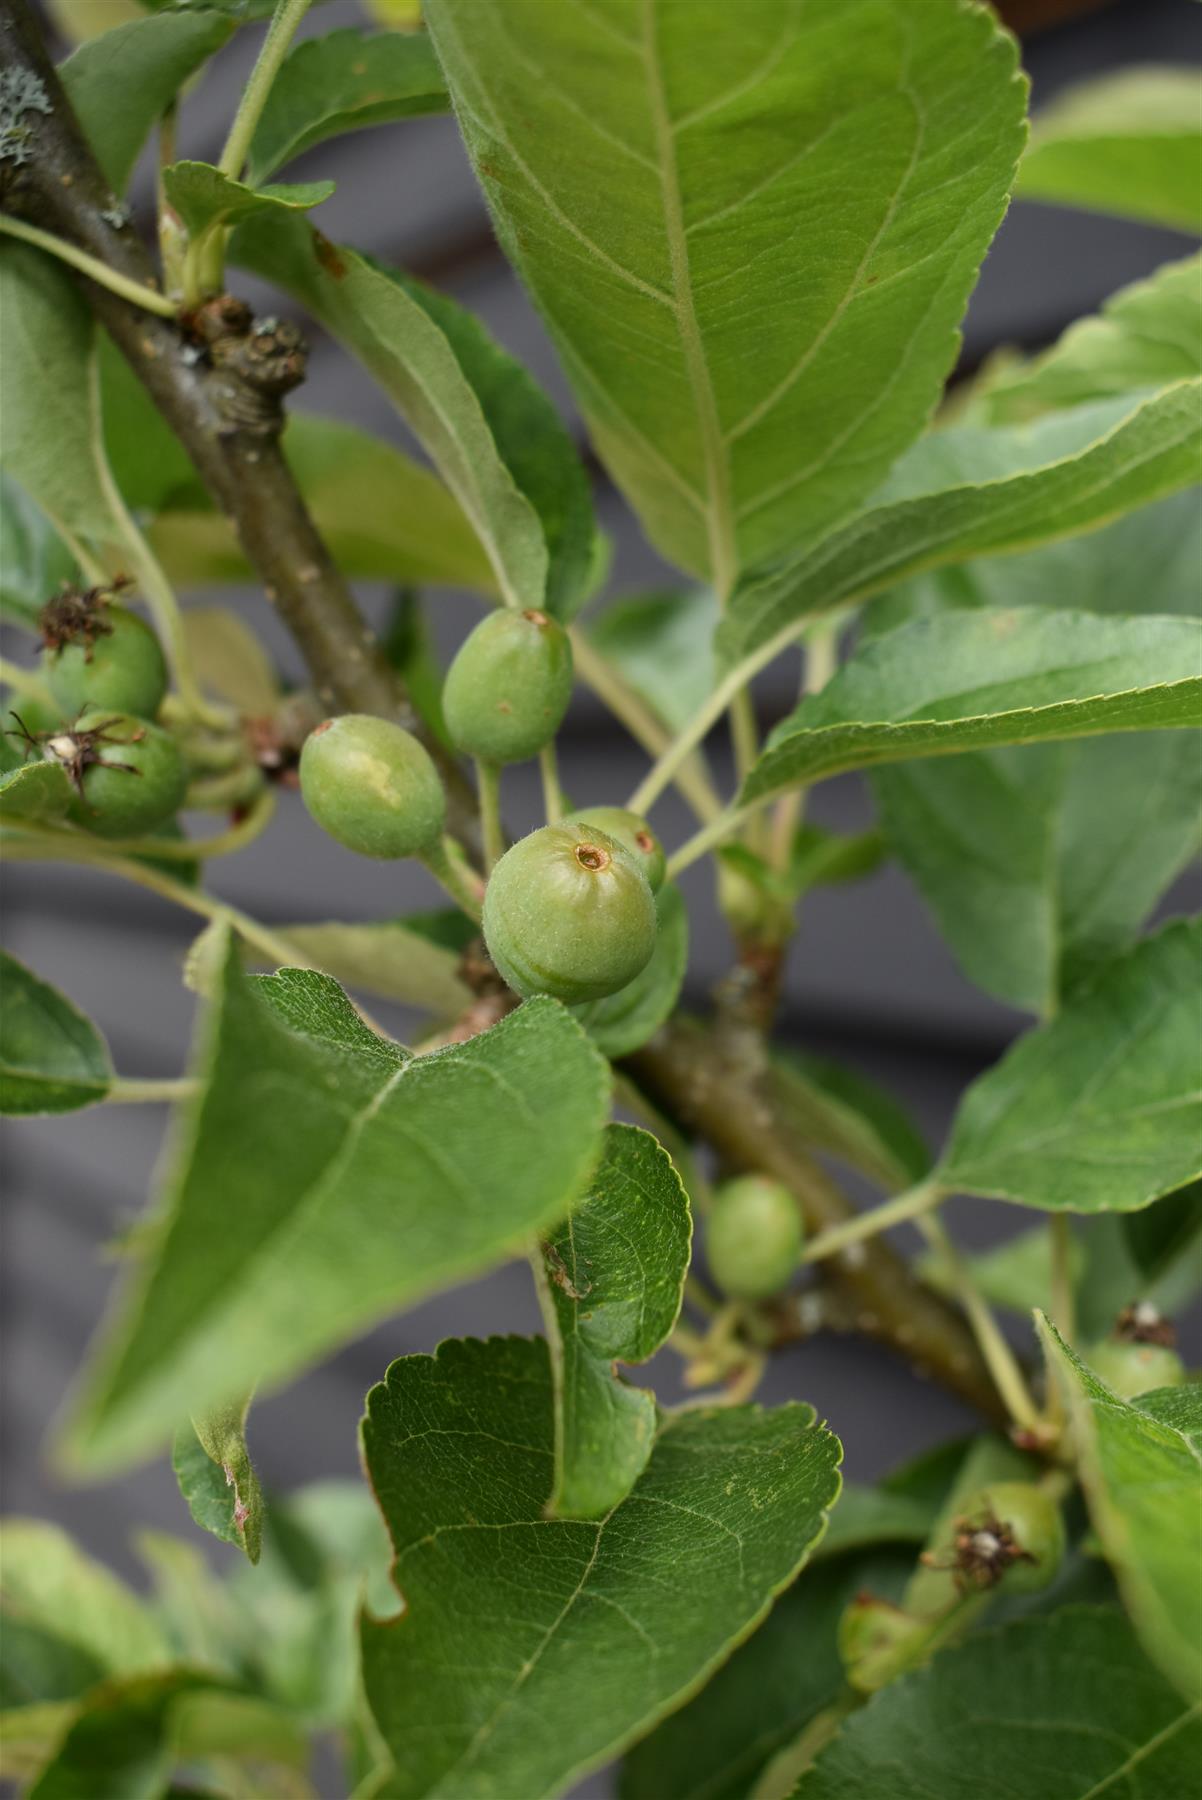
(1063, 1305)
(910, 1205)
(288, 15)
(725, 826)
(24, 681)
(548, 768)
(184, 850)
(90, 266)
(452, 871)
(999, 1358)
(123, 1091)
(488, 782)
(821, 661)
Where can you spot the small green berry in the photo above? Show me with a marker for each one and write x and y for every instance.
(753, 1237)
(877, 1641)
(372, 786)
(129, 774)
(1129, 1369)
(508, 688)
(634, 833)
(119, 669)
(568, 912)
(1011, 1532)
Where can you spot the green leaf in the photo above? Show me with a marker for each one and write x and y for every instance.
(488, 1683)
(217, 1478)
(837, 1110)
(972, 680)
(1061, 1707)
(662, 644)
(1036, 485)
(1016, 1274)
(37, 791)
(384, 516)
(204, 198)
(119, 1745)
(868, 1516)
(52, 1058)
(764, 1696)
(120, 84)
(326, 1178)
(229, 660)
(1148, 335)
(610, 1284)
(1143, 1482)
(385, 957)
(1129, 143)
(343, 82)
(1159, 1237)
(623, 1022)
(35, 563)
(29, 1736)
(408, 353)
(1096, 1111)
(1113, 1276)
(662, 177)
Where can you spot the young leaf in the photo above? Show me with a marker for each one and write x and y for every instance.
(230, 661)
(1148, 335)
(120, 1740)
(662, 644)
(343, 82)
(1062, 1707)
(838, 1111)
(145, 62)
(488, 1680)
(68, 1621)
(52, 1058)
(971, 680)
(1129, 143)
(869, 1516)
(1143, 1480)
(1038, 489)
(204, 198)
(1095, 1111)
(217, 1478)
(662, 179)
(763, 1698)
(327, 1178)
(409, 354)
(36, 562)
(385, 957)
(37, 791)
(622, 1022)
(610, 1286)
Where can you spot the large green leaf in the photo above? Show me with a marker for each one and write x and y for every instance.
(1128, 143)
(622, 1023)
(343, 82)
(1148, 335)
(1001, 492)
(1142, 1475)
(384, 516)
(1065, 1707)
(532, 1649)
(750, 352)
(394, 335)
(35, 561)
(1096, 1111)
(973, 680)
(715, 1747)
(204, 198)
(52, 1058)
(145, 63)
(325, 1178)
(611, 1283)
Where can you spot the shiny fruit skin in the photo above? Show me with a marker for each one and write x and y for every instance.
(1033, 1521)
(1130, 1369)
(508, 688)
(116, 802)
(753, 1237)
(568, 912)
(372, 787)
(632, 831)
(125, 671)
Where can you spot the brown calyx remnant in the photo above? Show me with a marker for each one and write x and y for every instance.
(77, 751)
(980, 1554)
(1144, 1323)
(593, 858)
(77, 615)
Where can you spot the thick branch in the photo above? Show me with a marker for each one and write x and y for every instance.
(207, 407)
(733, 1103)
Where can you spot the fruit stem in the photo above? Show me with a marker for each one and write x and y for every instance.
(548, 768)
(90, 266)
(123, 1091)
(716, 832)
(910, 1205)
(452, 871)
(999, 1358)
(221, 843)
(488, 784)
(280, 33)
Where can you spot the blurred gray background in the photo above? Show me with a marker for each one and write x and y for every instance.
(869, 980)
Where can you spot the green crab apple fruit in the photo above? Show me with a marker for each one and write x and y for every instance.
(1129, 1369)
(129, 774)
(633, 833)
(753, 1237)
(568, 912)
(508, 688)
(1011, 1532)
(121, 669)
(372, 786)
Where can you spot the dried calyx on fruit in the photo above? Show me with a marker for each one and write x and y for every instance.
(128, 775)
(753, 1237)
(508, 688)
(372, 786)
(1009, 1532)
(633, 832)
(1139, 1354)
(100, 655)
(568, 912)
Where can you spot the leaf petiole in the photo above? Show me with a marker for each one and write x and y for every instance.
(910, 1205)
(91, 266)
